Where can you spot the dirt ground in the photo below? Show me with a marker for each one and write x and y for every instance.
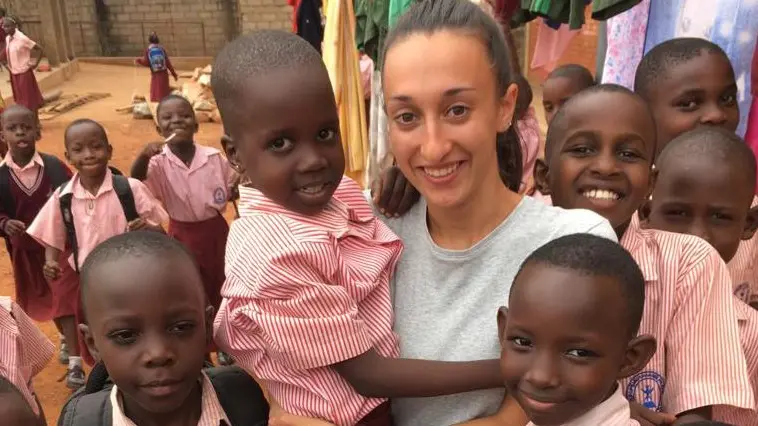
(127, 136)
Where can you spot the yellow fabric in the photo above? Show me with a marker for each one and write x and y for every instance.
(341, 59)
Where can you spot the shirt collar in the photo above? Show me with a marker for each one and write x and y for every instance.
(634, 241)
(616, 407)
(201, 156)
(35, 162)
(78, 191)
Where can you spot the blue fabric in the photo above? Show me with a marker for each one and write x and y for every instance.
(732, 24)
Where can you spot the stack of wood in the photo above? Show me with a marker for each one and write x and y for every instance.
(58, 103)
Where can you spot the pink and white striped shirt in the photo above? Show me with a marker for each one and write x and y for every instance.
(614, 411)
(24, 350)
(303, 293)
(689, 309)
(27, 175)
(744, 268)
(211, 414)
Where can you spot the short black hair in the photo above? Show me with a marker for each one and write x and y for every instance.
(16, 108)
(591, 255)
(260, 53)
(713, 143)
(575, 72)
(85, 121)
(7, 388)
(557, 128)
(657, 63)
(173, 97)
(432, 16)
(130, 244)
(3, 12)
(153, 38)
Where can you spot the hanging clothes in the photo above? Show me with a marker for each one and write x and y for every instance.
(550, 45)
(397, 8)
(371, 27)
(606, 9)
(341, 60)
(379, 156)
(570, 12)
(625, 45)
(309, 22)
(295, 5)
(751, 132)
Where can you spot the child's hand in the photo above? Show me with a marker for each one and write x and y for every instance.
(393, 195)
(650, 418)
(51, 270)
(14, 227)
(152, 149)
(140, 224)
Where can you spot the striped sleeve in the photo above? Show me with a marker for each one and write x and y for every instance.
(280, 298)
(704, 359)
(37, 348)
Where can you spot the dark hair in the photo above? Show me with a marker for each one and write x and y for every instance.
(716, 144)
(85, 121)
(8, 388)
(557, 128)
(259, 53)
(3, 12)
(587, 254)
(16, 108)
(431, 16)
(575, 72)
(657, 63)
(153, 38)
(173, 97)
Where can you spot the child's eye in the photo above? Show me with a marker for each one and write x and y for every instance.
(548, 108)
(521, 342)
(730, 99)
(580, 150)
(326, 135)
(721, 216)
(580, 353)
(457, 111)
(280, 145)
(676, 213)
(629, 155)
(123, 337)
(182, 327)
(687, 104)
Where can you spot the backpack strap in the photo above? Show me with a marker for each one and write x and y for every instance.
(68, 222)
(239, 395)
(125, 196)
(54, 169)
(83, 409)
(6, 197)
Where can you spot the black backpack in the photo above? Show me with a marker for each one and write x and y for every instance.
(52, 166)
(125, 196)
(237, 392)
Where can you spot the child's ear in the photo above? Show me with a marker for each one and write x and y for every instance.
(89, 341)
(541, 175)
(638, 354)
(644, 213)
(652, 181)
(502, 318)
(230, 149)
(158, 130)
(110, 152)
(751, 225)
(210, 315)
(66, 156)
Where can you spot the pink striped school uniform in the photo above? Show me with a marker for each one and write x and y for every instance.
(211, 414)
(689, 309)
(530, 137)
(195, 198)
(305, 292)
(24, 350)
(744, 268)
(614, 411)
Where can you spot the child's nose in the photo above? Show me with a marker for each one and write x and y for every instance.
(543, 372)
(713, 114)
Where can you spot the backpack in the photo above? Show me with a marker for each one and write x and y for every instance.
(51, 165)
(237, 392)
(157, 58)
(125, 196)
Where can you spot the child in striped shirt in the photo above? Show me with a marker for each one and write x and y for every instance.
(704, 187)
(599, 156)
(306, 305)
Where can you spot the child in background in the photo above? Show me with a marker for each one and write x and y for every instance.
(571, 332)
(561, 84)
(704, 187)
(306, 306)
(25, 352)
(599, 155)
(14, 409)
(194, 182)
(27, 178)
(157, 60)
(689, 82)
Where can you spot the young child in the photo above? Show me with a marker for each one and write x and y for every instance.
(25, 352)
(306, 306)
(599, 155)
(194, 183)
(14, 409)
(571, 332)
(157, 60)
(150, 332)
(561, 84)
(27, 178)
(704, 187)
(689, 82)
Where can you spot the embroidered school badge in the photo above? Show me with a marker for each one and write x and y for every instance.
(646, 387)
(742, 292)
(219, 196)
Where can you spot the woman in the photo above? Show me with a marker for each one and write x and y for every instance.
(21, 66)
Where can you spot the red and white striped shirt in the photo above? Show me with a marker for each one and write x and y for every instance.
(744, 268)
(303, 293)
(24, 350)
(689, 309)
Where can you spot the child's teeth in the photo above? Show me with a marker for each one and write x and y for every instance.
(602, 194)
(440, 172)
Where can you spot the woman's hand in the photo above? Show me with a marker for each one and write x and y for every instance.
(393, 194)
(650, 418)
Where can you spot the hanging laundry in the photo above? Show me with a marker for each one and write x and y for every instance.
(555, 12)
(550, 46)
(625, 45)
(379, 152)
(308, 22)
(751, 134)
(371, 26)
(397, 8)
(606, 9)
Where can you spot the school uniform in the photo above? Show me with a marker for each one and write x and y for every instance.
(744, 268)
(211, 414)
(528, 129)
(24, 350)
(614, 411)
(689, 309)
(30, 187)
(306, 292)
(195, 198)
(159, 81)
(18, 50)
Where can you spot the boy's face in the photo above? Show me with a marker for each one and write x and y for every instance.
(21, 132)
(602, 160)
(703, 197)
(287, 139)
(701, 91)
(151, 331)
(88, 150)
(563, 351)
(177, 116)
(555, 92)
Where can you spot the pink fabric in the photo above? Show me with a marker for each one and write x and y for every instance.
(614, 411)
(367, 72)
(96, 217)
(550, 45)
(744, 268)
(626, 45)
(19, 52)
(195, 193)
(530, 137)
(28, 175)
(751, 134)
